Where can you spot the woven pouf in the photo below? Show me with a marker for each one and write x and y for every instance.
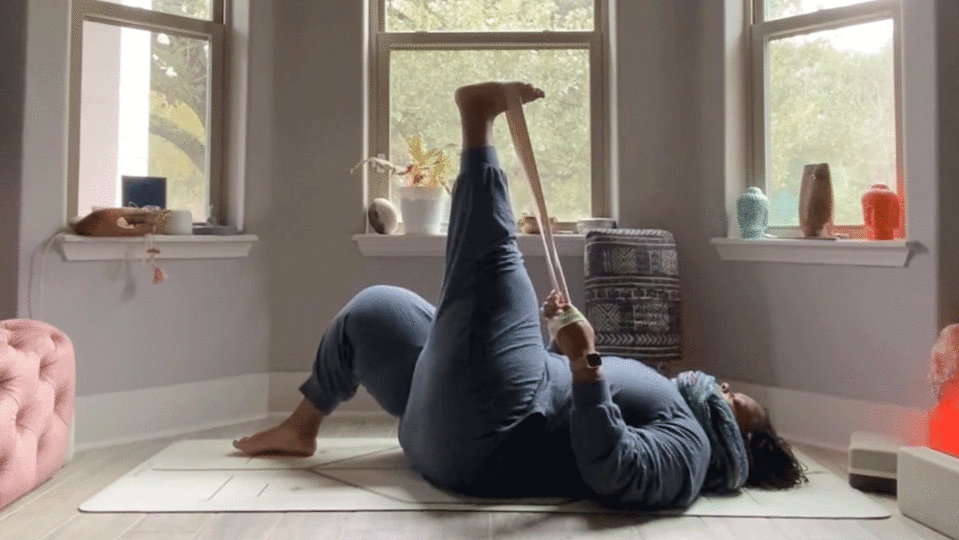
(631, 295)
(37, 387)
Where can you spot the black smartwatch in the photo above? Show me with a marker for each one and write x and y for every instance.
(590, 361)
(594, 360)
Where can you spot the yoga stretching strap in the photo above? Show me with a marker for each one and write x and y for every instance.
(524, 148)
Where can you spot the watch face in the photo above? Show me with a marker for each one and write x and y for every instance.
(594, 360)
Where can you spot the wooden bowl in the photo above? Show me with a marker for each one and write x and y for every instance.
(528, 225)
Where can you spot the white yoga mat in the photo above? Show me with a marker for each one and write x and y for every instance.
(350, 474)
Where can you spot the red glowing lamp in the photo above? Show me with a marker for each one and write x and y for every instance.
(944, 375)
(944, 421)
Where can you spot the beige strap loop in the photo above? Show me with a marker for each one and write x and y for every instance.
(524, 149)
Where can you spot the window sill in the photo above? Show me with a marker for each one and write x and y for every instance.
(891, 253)
(86, 248)
(400, 245)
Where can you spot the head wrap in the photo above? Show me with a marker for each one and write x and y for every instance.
(728, 466)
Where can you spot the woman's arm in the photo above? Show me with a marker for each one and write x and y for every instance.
(647, 466)
(618, 462)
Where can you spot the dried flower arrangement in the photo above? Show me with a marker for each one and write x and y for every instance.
(428, 168)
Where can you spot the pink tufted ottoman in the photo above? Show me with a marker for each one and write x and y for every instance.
(37, 385)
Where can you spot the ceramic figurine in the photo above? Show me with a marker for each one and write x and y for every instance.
(815, 201)
(882, 212)
(383, 216)
(752, 213)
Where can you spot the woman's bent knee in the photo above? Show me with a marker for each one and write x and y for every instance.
(382, 305)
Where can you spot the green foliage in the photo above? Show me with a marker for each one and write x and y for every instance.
(422, 84)
(179, 79)
(775, 9)
(829, 104)
(778, 9)
(198, 9)
(488, 15)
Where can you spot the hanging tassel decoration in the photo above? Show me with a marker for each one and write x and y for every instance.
(158, 275)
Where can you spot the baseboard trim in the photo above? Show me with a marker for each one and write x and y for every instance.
(285, 395)
(164, 411)
(828, 421)
(125, 417)
(110, 419)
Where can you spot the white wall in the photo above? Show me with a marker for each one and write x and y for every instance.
(947, 47)
(318, 205)
(861, 333)
(210, 318)
(13, 39)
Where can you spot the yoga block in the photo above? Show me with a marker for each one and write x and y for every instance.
(631, 295)
(37, 387)
(872, 462)
(929, 488)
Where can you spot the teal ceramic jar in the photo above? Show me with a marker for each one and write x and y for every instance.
(752, 213)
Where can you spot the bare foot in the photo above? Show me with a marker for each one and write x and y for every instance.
(489, 99)
(282, 440)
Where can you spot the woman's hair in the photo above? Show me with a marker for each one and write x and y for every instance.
(772, 464)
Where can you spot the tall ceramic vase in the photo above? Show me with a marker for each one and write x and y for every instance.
(422, 209)
(881, 212)
(815, 200)
(752, 214)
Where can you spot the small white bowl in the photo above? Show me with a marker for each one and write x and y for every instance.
(583, 226)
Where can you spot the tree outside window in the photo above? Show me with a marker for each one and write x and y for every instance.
(145, 101)
(432, 48)
(828, 83)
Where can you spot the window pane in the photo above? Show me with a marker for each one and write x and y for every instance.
(144, 100)
(197, 9)
(488, 15)
(421, 97)
(831, 99)
(778, 9)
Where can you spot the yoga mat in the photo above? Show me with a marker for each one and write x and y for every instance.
(353, 474)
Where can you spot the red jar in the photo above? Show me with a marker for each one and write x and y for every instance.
(882, 212)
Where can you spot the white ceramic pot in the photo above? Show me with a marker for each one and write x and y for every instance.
(178, 222)
(422, 208)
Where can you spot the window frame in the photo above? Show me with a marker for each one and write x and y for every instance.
(760, 33)
(597, 42)
(214, 31)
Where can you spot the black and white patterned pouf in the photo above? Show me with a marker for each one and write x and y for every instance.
(631, 295)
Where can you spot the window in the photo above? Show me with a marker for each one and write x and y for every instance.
(147, 100)
(825, 90)
(421, 51)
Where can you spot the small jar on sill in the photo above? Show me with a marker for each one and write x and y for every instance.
(752, 214)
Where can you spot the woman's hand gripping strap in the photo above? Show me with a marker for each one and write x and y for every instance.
(561, 319)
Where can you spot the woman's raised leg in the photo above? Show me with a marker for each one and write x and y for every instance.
(484, 361)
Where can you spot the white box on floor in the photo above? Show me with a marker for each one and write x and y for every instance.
(872, 461)
(929, 488)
